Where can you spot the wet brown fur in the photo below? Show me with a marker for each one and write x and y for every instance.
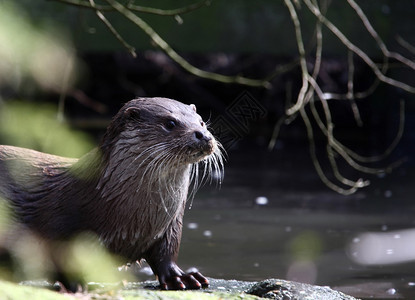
(131, 191)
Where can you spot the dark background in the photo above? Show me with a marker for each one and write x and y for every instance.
(252, 38)
(235, 38)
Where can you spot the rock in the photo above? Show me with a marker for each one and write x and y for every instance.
(270, 288)
(218, 289)
(289, 290)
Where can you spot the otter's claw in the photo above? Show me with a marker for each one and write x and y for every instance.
(189, 281)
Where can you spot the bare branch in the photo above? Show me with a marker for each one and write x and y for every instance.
(391, 147)
(101, 16)
(312, 88)
(348, 155)
(85, 4)
(310, 92)
(141, 9)
(159, 41)
(169, 12)
(316, 162)
(314, 9)
(306, 95)
(303, 63)
(378, 40)
(405, 44)
(350, 89)
(283, 120)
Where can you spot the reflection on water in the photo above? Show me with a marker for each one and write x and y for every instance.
(392, 247)
(301, 245)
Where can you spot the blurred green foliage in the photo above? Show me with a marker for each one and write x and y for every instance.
(25, 256)
(38, 56)
(89, 260)
(42, 54)
(36, 126)
(12, 291)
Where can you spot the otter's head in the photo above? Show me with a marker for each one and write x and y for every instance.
(161, 128)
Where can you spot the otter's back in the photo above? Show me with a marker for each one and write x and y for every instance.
(24, 169)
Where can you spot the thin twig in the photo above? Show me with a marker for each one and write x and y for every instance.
(281, 69)
(169, 12)
(348, 155)
(303, 63)
(350, 89)
(330, 135)
(141, 9)
(316, 163)
(107, 23)
(358, 51)
(405, 44)
(331, 141)
(391, 147)
(69, 66)
(159, 41)
(283, 119)
(306, 97)
(377, 38)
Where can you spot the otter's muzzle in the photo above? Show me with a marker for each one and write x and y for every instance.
(204, 142)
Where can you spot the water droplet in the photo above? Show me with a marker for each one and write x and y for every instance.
(386, 9)
(390, 251)
(288, 229)
(381, 175)
(388, 194)
(411, 283)
(261, 200)
(397, 236)
(384, 227)
(207, 233)
(356, 240)
(192, 225)
(391, 291)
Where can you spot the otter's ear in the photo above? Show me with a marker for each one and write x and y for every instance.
(132, 113)
(193, 107)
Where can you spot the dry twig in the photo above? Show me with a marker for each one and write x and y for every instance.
(141, 9)
(311, 89)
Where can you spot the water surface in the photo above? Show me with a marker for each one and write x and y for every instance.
(273, 218)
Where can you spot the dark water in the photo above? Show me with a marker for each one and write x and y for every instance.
(303, 231)
(302, 245)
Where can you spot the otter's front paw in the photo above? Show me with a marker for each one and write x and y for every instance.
(188, 281)
(176, 279)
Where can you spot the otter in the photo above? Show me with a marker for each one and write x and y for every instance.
(130, 191)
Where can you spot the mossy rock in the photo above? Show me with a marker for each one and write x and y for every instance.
(218, 289)
(13, 291)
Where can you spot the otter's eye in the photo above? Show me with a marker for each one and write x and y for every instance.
(170, 124)
(202, 123)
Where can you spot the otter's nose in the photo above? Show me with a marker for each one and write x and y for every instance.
(200, 136)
